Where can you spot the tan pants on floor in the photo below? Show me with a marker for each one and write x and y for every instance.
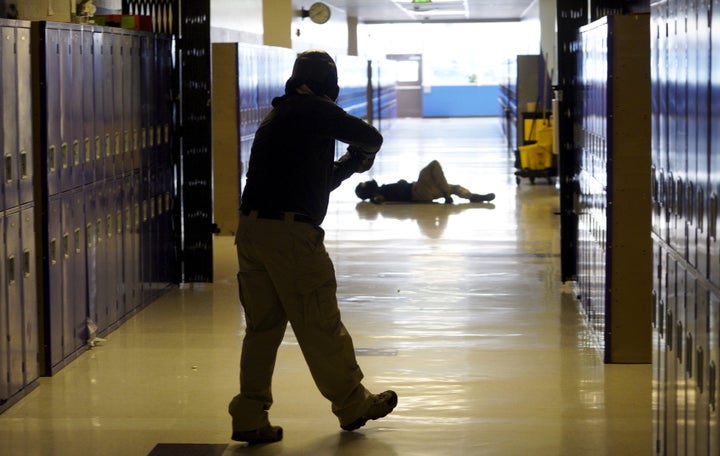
(431, 184)
(286, 276)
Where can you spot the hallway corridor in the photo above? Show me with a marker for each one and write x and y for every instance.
(458, 308)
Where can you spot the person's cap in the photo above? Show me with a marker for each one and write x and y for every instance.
(317, 70)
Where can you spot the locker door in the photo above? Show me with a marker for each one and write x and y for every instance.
(111, 138)
(4, 349)
(88, 101)
(126, 92)
(700, 360)
(693, 184)
(703, 134)
(119, 233)
(54, 299)
(67, 102)
(118, 70)
(31, 330)
(713, 383)
(52, 102)
(79, 276)
(146, 90)
(135, 100)
(69, 316)
(25, 133)
(130, 245)
(98, 118)
(77, 95)
(689, 367)
(93, 259)
(13, 282)
(659, 355)
(9, 118)
(671, 361)
(714, 158)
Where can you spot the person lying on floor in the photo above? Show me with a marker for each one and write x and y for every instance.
(430, 185)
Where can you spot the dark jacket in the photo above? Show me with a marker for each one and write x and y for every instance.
(292, 162)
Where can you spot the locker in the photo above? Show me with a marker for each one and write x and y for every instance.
(31, 330)
(118, 73)
(699, 359)
(713, 386)
(52, 107)
(111, 139)
(134, 82)
(88, 104)
(148, 107)
(693, 183)
(13, 283)
(25, 115)
(109, 308)
(54, 292)
(79, 267)
(714, 158)
(77, 94)
(702, 132)
(164, 101)
(65, 75)
(671, 361)
(93, 254)
(69, 314)
(4, 349)
(119, 233)
(9, 117)
(98, 119)
(130, 244)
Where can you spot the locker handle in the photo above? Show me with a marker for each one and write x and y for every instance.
(53, 251)
(66, 245)
(711, 385)
(51, 159)
(11, 269)
(98, 148)
(88, 234)
(700, 363)
(713, 217)
(688, 355)
(77, 241)
(64, 155)
(8, 169)
(76, 153)
(88, 154)
(26, 263)
(701, 209)
(23, 165)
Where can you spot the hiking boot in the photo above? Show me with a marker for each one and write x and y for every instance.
(475, 198)
(382, 404)
(266, 434)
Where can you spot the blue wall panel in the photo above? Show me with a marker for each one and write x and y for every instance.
(460, 101)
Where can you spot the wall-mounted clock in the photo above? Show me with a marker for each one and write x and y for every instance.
(319, 13)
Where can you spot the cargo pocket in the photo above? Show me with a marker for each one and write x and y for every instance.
(317, 287)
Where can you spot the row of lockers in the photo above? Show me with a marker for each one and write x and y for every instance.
(613, 201)
(685, 68)
(686, 357)
(19, 328)
(108, 255)
(88, 190)
(107, 101)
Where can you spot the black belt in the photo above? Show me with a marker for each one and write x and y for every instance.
(279, 215)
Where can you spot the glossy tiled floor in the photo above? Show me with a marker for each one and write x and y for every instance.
(458, 308)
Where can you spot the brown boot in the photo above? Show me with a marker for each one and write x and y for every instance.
(267, 434)
(382, 405)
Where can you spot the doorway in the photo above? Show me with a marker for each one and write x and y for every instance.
(409, 84)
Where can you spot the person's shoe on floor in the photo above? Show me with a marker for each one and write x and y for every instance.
(475, 198)
(382, 405)
(266, 434)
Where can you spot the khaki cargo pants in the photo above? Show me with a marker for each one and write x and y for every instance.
(285, 275)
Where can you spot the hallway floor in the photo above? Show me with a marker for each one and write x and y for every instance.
(459, 308)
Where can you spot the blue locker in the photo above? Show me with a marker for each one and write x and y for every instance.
(699, 355)
(68, 288)
(98, 119)
(148, 107)
(714, 158)
(89, 147)
(127, 92)
(4, 350)
(13, 281)
(54, 298)
(713, 383)
(93, 254)
(67, 102)
(25, 114)
(79, 267)
(135, 81)
(118, 233)
(693, 158)
(31, 329)
(164, 99)
(9, 117)
(131, 246)
(118, 70)
(52, 106)
(77, 93)
(111, 135)
(703, 133)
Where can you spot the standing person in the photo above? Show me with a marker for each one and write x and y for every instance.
(430, 185)
(285, 274)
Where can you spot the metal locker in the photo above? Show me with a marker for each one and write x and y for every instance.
(67, 102)
(93, 258)
(147, 90)
(126, 91)
(9, 117)
(69, 317)
(79, 267)
(25, 115)
(54, 323)
(164, 100)
(671, 361)
(88, 104)
(689, 365)
(714, 158)
(52, 106)
(119, 234)
(691, 83)
(4, 350)
(77, 93)
(98, 119)
(135, 94)
(13, 282)
(118, 70)
(131, 246)
(713, 383)
(703, 133)
(699, 353)
(28, 270)
(111, 139)
(109, 270)
(659, 355)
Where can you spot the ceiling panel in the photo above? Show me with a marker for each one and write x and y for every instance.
(372, 11)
